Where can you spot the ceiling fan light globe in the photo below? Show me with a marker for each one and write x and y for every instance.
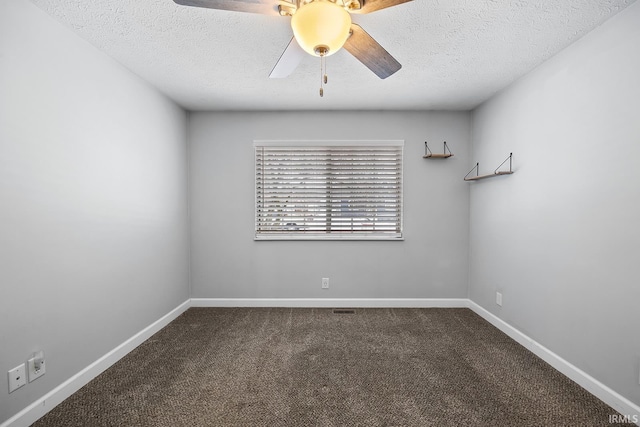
(321, 23)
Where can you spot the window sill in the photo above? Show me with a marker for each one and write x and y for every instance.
(330, 237)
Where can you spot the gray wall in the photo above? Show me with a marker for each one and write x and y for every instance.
(227, 263)
(560, 238)
(93, 202)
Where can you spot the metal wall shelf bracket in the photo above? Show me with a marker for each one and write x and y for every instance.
(429, 155)
(496, 172)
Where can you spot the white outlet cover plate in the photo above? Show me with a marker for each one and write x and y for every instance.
(32, 369)
(17, 378)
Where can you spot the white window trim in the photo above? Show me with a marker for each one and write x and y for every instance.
(326, 142)
(328, 236)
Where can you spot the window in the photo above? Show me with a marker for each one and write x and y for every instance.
(328, 190)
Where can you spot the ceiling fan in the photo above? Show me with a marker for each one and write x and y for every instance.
(320, 28)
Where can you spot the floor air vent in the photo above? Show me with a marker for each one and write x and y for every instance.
(343, 311)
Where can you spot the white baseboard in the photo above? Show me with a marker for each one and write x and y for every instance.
(40, 407)
(332, 302)
(621, 404)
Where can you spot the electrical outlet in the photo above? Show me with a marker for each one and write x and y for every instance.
(36, 366)
(499, 299)
(325, 283)
(17, 378)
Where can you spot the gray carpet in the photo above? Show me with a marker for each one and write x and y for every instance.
(311, 367)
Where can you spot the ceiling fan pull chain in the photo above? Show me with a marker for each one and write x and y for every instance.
(326, 79)
(321, 73)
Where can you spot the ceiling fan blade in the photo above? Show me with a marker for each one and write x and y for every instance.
(370, 53)
(288, 61)
(263, 7)
(373, 5)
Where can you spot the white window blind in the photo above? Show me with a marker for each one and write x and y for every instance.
(328, 190)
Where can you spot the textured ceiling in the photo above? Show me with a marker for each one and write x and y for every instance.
(455, 53)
